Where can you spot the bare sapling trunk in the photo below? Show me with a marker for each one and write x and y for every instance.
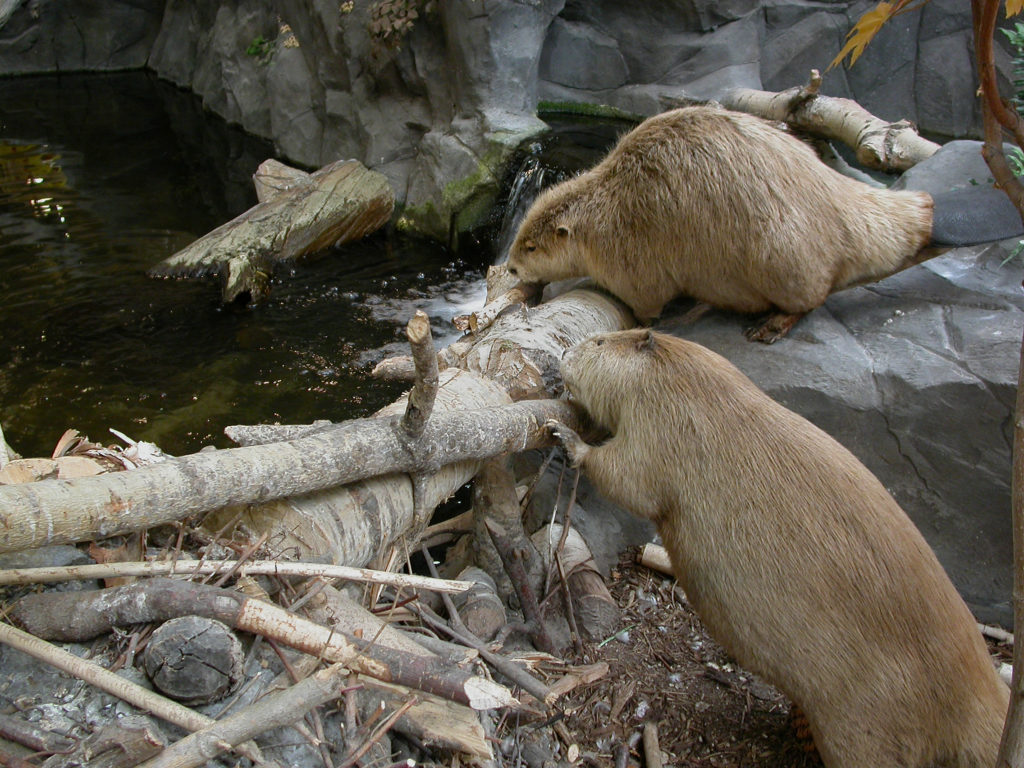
(997, 117)
(877, 143)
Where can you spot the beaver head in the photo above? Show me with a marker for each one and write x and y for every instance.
(607, 373)
(548, 244)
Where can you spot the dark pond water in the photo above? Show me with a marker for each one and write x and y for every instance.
(102, 176)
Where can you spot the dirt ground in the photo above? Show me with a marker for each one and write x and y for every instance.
(666, 670)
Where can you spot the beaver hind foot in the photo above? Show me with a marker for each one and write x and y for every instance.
(773, 327)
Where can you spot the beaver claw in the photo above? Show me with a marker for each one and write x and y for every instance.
(774, 327)
(573, 445)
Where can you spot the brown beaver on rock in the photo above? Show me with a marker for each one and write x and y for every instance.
(728, 209)
(794, 555)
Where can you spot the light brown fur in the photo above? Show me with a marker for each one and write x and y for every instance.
(725, 208)
(795, 557)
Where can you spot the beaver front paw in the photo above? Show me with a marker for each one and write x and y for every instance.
(573, 445)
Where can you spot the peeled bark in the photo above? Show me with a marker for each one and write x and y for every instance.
(63, 511)
(308, 212)
(885, 146)
(78, 616)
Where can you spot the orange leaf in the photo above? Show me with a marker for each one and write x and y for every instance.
(865, 29)
(1013, 7)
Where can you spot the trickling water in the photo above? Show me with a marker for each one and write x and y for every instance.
(571, 147)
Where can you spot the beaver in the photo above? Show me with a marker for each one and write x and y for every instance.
(794, 555)
(728, 209)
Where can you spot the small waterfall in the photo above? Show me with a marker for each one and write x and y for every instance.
(572, 146)
(531, 177)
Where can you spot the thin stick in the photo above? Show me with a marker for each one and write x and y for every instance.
(115, 685)
(652, 750)
(278, 709)
(254, 568)
(247, 553)
(505, 666)
(376, 735)
(424, 390)
(570, 613)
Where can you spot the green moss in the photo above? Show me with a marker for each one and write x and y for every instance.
(467, 201)
(547, 109)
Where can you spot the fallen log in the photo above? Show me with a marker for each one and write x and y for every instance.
(65, 511)
(78, 616)
(878, 144)
(521, 350)
(596, 611)
(342, 201)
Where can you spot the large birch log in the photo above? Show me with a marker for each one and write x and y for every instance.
(351, 524)
(885, 146)
(64, 511)
(305, 213)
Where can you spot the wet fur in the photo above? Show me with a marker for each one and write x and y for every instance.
(794, 555)
(725, 208)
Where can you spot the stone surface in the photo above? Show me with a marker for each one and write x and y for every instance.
(50, 36)
(956, 164)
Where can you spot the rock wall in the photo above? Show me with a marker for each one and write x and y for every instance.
(50, 36)
(440, 115)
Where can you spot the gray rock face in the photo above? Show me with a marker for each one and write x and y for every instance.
(956, 164)
(49, 36)
(916, 375)
(441, 115)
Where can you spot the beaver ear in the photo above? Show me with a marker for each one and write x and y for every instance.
(562, 231)
(645, 341)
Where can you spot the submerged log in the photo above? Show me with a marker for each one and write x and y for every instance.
(303, 214)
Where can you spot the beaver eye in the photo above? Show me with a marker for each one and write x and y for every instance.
(531, 247)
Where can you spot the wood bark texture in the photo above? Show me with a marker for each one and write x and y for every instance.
(63, 511)
(341, 202)
(74, 617)
(878, 144)
(275, 710)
